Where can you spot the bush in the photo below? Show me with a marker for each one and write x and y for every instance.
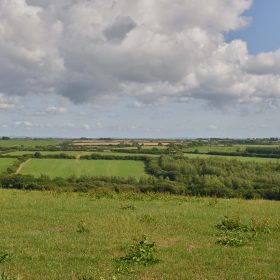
(140, 253)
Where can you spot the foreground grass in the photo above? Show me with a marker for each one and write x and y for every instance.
(70, 167)
(40, 232)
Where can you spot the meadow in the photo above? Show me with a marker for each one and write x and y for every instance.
(239, 158)
(65, 236)
(76, 153)
(221, 148)
(5, 163)
(30, 143)
(68, 167)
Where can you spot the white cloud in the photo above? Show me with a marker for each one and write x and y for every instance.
(7, 103)
(56, 110)
(99, 51)
(99, 125)
(212, 126)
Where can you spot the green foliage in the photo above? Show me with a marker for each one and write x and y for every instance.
(233, 241)
(4, 276)
(4, 257)
(82, 227)
(140, 253)
(232, 224)
(129, 207)
(235, 233)
(147, 218)
(260, 225)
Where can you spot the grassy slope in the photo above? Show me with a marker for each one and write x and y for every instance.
(5, 163)
(39, 230)
(67, 168)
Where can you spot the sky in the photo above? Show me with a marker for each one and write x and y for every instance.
(139, 68)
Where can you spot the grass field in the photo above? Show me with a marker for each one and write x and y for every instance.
(29, 143)
(75, 153)
(255, 159)
(5, 163)
(66, 168)
(72, 153)
(226, 149)
(40, 232)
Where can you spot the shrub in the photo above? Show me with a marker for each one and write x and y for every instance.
(140, 253)
(232, 224)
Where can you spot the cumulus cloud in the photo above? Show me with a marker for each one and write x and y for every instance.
(101, 50)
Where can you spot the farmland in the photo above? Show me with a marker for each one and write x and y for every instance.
(29, 143)
(5, 163)
(245, 159)
(66, 168)
(74, 153)
(95, 204)
(41, 233)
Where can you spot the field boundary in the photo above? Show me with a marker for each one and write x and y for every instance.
(22, 165)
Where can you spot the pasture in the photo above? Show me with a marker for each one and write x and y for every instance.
(5, 163)
(30, 143)
(76, 153)
(248, 159)
(79, 236)
(67, 167)
(221, 148)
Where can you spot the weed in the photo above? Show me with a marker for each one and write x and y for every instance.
(232, 224)
(82, 227)
(260, 226)
(4, 257)
(230, 241)
(213, 202)
(141, 253)
(236, 233)
(3, 276)
(146, 218)
(129, 207)
(84, 277)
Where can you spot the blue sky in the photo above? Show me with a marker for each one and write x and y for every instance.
(111, 69)
(262, 35)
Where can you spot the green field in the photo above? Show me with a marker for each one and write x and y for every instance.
(255, 159)
(66, 168)
(71, 153)
(76, 153)
(29, 143)
(225, 149)
(5, 163)
(40, 233)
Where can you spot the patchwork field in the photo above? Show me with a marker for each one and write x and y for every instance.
(72, 153)
(66, 168)
(226, 149)
(5, 163)
(76, 153)
(255, 159)
(29, 143)
(78, 236)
